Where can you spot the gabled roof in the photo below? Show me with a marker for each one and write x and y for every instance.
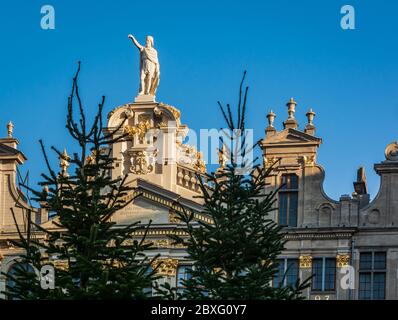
(7, 152)
(167, 195)
(155, 194)
(291, 136)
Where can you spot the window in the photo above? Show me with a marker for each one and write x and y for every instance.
(287, 273)
(324, 274)
(288, 200)
(372, 275)
(15, 274)
(183, 273)
(148, 290)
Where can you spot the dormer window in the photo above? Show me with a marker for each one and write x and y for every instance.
(288, 200)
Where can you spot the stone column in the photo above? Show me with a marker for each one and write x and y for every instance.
(167, 155)
(392, 274)
(345, 210)
(343, 261)
(305, 264)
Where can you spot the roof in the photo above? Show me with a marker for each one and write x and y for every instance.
(7, 152)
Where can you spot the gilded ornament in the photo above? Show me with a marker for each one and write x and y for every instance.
(305, 262)
(343, 260)
(166, 266)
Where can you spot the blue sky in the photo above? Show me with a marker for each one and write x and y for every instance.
(289, 49)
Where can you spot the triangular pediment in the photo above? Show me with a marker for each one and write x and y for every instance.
(151, 203)
(291, 136)
(154, 203)
(6, 150)
(144, 211)
(141, 209)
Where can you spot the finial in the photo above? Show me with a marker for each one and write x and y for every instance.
(91, 158)
(199, 164)
(391, 151)
(46, 191)
(310, 116)
(271, 118)
(64, 163)
(291, 108)
(222, 157)
(10, 127)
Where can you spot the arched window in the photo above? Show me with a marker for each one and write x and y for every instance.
(288, 200)
(14, 272)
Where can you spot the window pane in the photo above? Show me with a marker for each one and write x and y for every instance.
(148, 290)
(283, 209)
(365, 286)
(292, 272)
(379, 260)
(330, 273)
(284, 182)
(293, 199)
(365, 261)
(293, 182)
(317, 274)
(183, 274)
(17, 270)
(278, 277)
(379, 285)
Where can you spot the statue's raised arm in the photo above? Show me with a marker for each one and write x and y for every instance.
(149, 67)
(136, 43)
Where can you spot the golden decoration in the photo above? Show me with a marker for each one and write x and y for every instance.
(61, 264)
(267, 262)
(199, 164)
(140, 164)
(140, 129)
(117, 264)
(64, 163)
(10, 127)
(173, 217)
(91, 158)
(343, 260)
(222, 157)
(391, 151)
(305, 262)
(268, 162)
(176, 113)
(164, 243)
(309, 160)
(220, 271)
(167, 266)
(159, 243)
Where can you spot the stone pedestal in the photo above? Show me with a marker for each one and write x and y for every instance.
(144, 98)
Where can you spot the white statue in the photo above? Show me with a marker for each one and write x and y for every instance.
(149, 66)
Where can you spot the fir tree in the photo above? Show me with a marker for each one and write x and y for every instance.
(93, 258)
(235, 256)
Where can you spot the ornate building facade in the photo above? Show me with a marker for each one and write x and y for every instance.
(325, 236)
